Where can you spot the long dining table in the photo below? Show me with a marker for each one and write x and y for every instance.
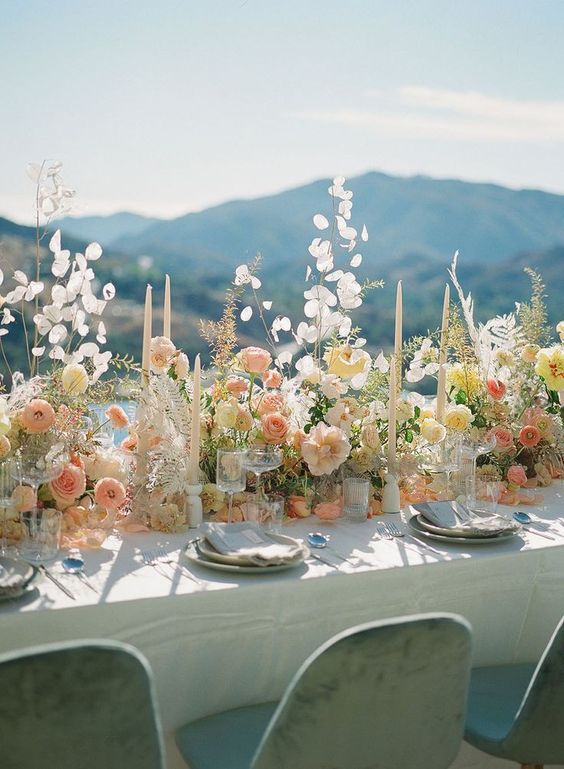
(217, 639)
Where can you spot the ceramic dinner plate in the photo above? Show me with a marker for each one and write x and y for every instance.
(15, 578)
(202, 553)
(458, 531)
(417, 528)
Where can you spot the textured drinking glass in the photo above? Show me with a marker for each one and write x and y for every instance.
(273, 511)
(40, 535)
(482, 496)
(356, 492)
(8, 482)
(230, 473)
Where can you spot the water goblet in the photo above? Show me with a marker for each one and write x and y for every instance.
(261, 459)
(230, 474)
(8, 482)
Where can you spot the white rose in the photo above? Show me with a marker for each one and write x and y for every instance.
(433, 431)
(404, 411)
(104, 465)
(370, 438)
(226, 413)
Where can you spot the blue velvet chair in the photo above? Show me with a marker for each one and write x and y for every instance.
(78, 705)
(516, 712)
(386, 695)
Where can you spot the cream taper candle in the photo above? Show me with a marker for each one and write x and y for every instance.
(166, 308)
(398, 333)
(194, 464)
(147, 335)
(392, 415)
(441, 379)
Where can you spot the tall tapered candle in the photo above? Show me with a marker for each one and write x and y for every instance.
(398, 333)
(392, 415)
(441, 383)
(147, 334)
(194, 464)
(166, 308)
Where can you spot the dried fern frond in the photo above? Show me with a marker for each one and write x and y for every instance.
(466, 302)
(533, 314)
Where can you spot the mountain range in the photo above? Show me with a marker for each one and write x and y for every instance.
(414, 226)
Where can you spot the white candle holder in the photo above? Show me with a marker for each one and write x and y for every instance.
(391, 495)
(193, 505)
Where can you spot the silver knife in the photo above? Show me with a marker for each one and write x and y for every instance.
(55, 581)
(322, 560)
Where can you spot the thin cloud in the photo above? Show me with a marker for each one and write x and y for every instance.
(430, 113)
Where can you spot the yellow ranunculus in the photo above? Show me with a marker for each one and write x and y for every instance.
(74, 379)
(550, 366)
(458, 418)
(346, 362)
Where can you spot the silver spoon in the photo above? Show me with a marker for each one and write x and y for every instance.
(318, 540)
(525, 520)
(74, 564)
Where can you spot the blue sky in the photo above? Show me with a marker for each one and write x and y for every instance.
(172, 106)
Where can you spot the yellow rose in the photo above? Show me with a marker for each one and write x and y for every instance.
(550, 366)
(432, 431)
(427, 412)
(458, 418)
(346, 362)
(226, 414)
(74, 379)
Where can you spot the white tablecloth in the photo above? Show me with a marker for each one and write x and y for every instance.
(237, 639)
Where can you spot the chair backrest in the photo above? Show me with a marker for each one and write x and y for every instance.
(78, 705)
(384, 695)
(538, 727)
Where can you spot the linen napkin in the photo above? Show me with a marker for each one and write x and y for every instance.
(14, 577)
(250, 545)
(452, 515)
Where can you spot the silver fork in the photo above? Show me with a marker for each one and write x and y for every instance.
(394, 530)
(163, 557)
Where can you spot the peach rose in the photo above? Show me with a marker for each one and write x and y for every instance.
(237, 385)
(328, 511)
(272, 378)
(325, 449)
(529, 436)
(244, 420)
(69, 485)
(297, 506)
(496, 388)
(516, 475)
(503, 437)
(38, 416)
(255, 360)
(117, 416)
(268, 403)
(109, 493)
(129, 443)
(162, 351)
(23, 499)
(274, 427)
(5, 446)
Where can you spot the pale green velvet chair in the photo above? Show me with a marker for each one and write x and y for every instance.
(78, 705)
(516, 712)
(385, 695)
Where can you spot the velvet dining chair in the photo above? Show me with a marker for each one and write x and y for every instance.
(516, 712)
(384, 695)
(78, 705)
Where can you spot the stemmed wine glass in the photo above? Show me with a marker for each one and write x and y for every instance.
(230, 473)
(261, 459)
(442, 459)
(36, 466)
(8, 483)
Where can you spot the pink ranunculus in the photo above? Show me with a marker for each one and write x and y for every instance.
(529, 436)
(328, 511)
(237, 385)
(255, 360)
(517, 475)
(496, 388)
(129, 443)
(272, 378)
(325, 449)
(68, 486)
(503, 437)
(109, 493)
(117, 416)
(23, 498)
(38, 416)
(274, 427)
(268, 403)
(297, 506)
